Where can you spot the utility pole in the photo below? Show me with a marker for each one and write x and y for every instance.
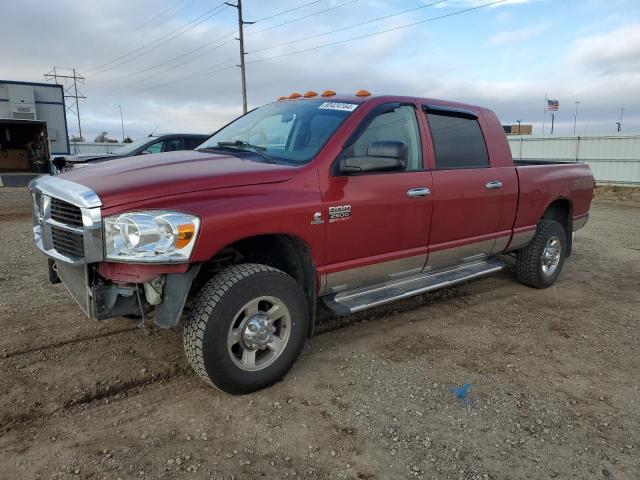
(240, 38)
(575, 118)
(121, 122)
(620, 123)
(70, 91)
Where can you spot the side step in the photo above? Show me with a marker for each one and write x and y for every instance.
(352, 301)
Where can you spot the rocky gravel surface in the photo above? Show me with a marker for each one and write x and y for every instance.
(490, 380)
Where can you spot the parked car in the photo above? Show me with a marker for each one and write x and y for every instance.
(354, 200)
(169, 142)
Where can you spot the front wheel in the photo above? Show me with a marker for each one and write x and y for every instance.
(540, 262)
(246, 328)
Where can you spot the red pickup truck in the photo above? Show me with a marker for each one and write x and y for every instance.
(354, 200)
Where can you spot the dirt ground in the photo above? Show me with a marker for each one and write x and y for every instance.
(554, 381)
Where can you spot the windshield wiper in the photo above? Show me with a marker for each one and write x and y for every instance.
(241, 143)
(243, 147)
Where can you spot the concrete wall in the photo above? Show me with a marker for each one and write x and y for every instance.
(95, 147)
(613, 159)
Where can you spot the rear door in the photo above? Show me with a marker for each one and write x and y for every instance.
(468, 193)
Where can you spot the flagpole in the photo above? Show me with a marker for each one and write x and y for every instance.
(544, 113)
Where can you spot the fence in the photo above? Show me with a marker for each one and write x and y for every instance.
(613, 159)
(94, 147)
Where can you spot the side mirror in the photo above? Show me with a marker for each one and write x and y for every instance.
(388, 156)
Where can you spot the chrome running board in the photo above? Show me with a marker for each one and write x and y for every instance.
(352, 301)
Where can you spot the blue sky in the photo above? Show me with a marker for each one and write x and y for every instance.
(505, 57)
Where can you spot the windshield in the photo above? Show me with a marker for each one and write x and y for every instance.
(131, 147)
(290, 132)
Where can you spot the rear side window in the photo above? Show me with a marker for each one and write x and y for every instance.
(458, 142)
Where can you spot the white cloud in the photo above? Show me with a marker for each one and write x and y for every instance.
(614, 51)
(507, 37)
(415, 61)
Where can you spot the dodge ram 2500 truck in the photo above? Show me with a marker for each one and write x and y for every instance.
(354, 200)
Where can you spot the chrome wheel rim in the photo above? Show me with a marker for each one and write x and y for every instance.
(551, 255)
(259, 333)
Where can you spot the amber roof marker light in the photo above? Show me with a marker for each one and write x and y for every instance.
(294, 95)
(363, 93)
(282, 98)
(310, 94)
(328, 93)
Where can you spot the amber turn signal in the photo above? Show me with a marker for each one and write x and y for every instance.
(363, 93)
(185, 235)
(328, 93)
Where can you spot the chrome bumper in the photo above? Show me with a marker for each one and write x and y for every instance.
(72, 269)
(43, 189)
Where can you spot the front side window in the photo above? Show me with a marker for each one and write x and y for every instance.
(458, 142)
(290, 132)
(133, 147)
(154, 147)
(397, 125)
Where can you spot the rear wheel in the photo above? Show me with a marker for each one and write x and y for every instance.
(246, 328)
(540, 262)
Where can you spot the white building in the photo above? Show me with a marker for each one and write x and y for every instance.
(33, 126)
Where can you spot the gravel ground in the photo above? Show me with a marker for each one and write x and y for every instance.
(553, 374)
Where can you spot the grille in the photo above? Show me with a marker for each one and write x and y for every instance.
(66, 213)
(67, 243)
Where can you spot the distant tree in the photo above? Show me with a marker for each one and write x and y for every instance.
(128, 140)
(104, 138)
(76, 139)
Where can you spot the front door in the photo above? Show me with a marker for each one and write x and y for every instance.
(377, 223)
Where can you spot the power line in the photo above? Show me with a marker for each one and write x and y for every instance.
(287, 11)
(207, 15)
(202, 73)
(272, 27)
(339, 42)
(165, 41)
(208, 50)
(178, 57)
(160, 14)
(348, 27)
(317, 47)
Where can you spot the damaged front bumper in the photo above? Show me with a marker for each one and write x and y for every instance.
(67, 227)
(101, 299)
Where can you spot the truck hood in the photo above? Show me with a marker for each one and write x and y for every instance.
(124, 181)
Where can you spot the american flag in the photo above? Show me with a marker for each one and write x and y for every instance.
(553, 105)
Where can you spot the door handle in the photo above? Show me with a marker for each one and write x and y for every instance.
(418, 192)
(493, 184)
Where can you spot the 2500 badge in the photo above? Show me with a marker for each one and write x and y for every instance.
(339, 213)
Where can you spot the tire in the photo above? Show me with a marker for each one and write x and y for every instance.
(535, 266)
(239, 305)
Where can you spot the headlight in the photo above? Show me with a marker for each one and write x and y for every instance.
(150, 236)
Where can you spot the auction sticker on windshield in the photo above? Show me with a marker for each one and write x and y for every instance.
(344, 107)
